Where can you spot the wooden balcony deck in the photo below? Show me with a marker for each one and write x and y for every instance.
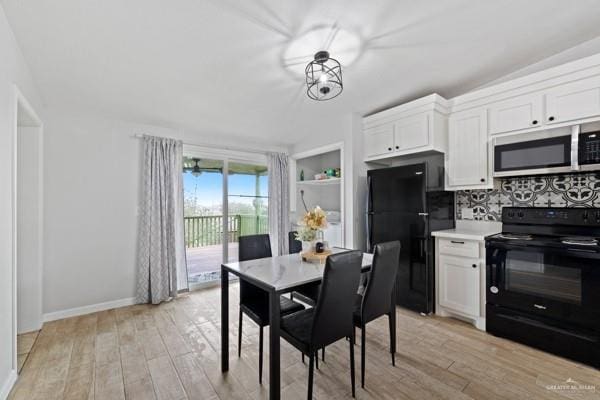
(204, 263)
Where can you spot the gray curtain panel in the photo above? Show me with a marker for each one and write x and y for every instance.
(279, 201)
(161, 248)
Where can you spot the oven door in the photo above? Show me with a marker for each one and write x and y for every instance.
(558, 284)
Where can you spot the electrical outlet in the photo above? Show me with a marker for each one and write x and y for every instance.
(466, 213)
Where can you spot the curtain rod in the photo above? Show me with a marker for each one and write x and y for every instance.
(212, 146)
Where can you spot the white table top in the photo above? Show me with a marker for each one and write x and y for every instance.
(284, 272)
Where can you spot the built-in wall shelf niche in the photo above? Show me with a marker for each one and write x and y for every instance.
(327, 193)
(320, 182)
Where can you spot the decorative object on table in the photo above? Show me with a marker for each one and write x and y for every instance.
(310, 231)
(319, 247)
(323, 77)
(314, 257)
(301, 175)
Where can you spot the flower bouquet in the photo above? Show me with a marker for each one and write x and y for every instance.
(311, 228)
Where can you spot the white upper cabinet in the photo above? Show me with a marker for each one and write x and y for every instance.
(573, 101)
(515, 114)
(415, 127)
(412, 132)
(379, 140)
(467, 156)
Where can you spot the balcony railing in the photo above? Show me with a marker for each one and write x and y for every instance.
(203, 231)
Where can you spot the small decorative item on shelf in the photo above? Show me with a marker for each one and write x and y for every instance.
(330, 172)
(310, 233)
(320, 177)
(338, 173)
(302, 175)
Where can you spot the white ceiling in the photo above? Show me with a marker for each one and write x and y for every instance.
(219, 65)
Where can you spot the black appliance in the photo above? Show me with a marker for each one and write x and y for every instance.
(406, 203)
(543, 280)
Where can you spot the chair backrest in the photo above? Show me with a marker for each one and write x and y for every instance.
(295, 245)
(377, 298)
(335, 305)
(251, 247)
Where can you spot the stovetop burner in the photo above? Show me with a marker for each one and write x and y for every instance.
(579, 241)
(515, 236)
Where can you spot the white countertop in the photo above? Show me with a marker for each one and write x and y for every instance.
(470, 230)
(286, 271)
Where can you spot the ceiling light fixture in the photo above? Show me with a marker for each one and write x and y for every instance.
(323, 77)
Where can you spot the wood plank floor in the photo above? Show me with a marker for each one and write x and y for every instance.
(171, 352)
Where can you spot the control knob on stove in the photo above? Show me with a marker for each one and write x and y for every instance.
(521, 214)
(511, 214)
(584, 215)
(597, 216)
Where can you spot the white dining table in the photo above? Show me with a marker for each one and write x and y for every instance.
(275, 275)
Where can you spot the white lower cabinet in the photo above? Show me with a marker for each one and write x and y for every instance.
(460, 279)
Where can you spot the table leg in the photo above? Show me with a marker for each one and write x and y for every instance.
(393, 323)
(274, 361)
(224, 320)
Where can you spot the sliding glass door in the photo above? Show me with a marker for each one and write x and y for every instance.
(223, 200)
(247, 203)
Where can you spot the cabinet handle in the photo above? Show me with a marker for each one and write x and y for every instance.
(474, 265)
(482, 179)
(456, 242)
(534, 122)
(389, 149)
(397, 147)
(551, 118)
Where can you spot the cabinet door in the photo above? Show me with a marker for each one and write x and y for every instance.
(467, 149)
(379, 140)
(572, 101)
(460, 284)
(412, 132)
(514, 114)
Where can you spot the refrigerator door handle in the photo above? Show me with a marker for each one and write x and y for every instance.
(423, 214)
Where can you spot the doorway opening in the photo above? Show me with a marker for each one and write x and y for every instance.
(225, 197)
(27, 228)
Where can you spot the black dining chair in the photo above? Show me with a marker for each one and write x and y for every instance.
(306, 293)
(254, 301)
(331, 319)
(377, 300)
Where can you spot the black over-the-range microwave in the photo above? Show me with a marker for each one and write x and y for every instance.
(547, 152)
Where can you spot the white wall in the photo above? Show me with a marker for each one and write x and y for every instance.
(29, 239)
(13, 70)
(91, 197)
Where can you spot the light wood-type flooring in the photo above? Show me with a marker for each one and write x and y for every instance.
(171, 351)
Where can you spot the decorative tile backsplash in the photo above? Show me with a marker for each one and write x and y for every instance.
(573, 190)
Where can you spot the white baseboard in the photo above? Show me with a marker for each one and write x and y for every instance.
(8, 384)
(92, 308)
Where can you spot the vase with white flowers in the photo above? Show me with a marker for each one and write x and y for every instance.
(311, 228)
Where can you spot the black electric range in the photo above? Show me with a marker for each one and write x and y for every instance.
(543, 280)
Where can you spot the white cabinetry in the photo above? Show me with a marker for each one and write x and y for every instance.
(460, 279)
(467, 156)
(379, 140)
(412, 132)
(573, 101)
(517, 113)
(415, 127)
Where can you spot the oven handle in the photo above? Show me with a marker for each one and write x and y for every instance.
(574, 252)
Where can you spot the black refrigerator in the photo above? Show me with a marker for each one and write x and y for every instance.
(407, 203)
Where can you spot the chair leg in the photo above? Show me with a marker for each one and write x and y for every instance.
(240, 335)
(311, 366)
(317, 359)
(363, 342)
(302, 358)
(260, 356)
(352, 378)
(392, 339)
(323, 357)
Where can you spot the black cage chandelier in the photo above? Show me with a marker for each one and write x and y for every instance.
(323, 77)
